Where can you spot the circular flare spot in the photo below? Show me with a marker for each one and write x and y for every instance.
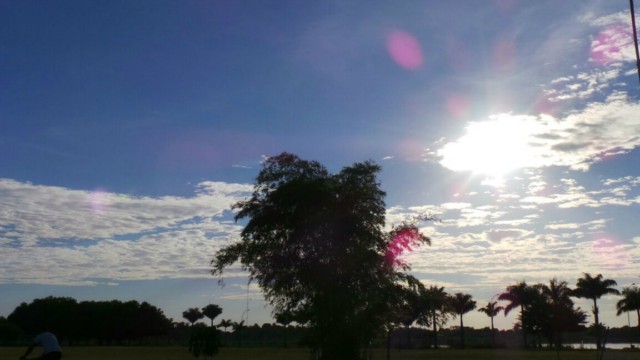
(405, 50)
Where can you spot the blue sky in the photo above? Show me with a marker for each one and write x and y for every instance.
(128, 129)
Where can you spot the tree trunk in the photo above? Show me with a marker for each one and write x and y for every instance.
(597, 322)
(389, 343)
(524, 331)
(493, 335)
(435, 331)
(461, 332)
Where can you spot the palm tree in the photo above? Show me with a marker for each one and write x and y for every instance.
(630, 301)
(192, 315)
(237, 329)
(225, 324)
(491, 310)
(434, 312)
(461, 304)
(593, 288)
(564, 316)
(211, 311)
(518, 295)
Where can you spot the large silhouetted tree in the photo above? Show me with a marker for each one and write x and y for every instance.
(315, 243)
(461, 304)
(491, 310)
(590, 287)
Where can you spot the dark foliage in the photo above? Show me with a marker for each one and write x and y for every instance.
(103, 322)
(594, 287)
(314, 242)
(461, 304)
(211, 311)
(204, 341)
(192, 315)
(9, 333)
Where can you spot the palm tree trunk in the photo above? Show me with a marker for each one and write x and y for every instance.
(524, 331)
(461, 332)
(435, 331)
(597, 322)
(493, 335)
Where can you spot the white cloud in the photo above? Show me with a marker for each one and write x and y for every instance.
(37, 213)
(77, 236)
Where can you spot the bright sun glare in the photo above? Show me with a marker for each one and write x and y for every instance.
(492, 148)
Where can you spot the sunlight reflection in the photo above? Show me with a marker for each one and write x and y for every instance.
(411, 149)
(402, 243)
(504, 54)
(404, 50)
(611, 253)
(505, 6)
(609, 45)
(458, 106)
(99, 200)
(544, 105)
(493, 147)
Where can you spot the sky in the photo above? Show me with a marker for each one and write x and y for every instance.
(128, 129)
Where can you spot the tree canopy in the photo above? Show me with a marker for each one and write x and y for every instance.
(99, 321)
(315, 243)
(594, 287)
(630, 301)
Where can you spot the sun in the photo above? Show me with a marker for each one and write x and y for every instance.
(493, 148)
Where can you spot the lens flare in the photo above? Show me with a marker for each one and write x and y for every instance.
(405, 50)
(610, 253)
(458, 106)
(403, 242)
(611, 45)
(504, 54)
(99, 200)
(505, 6)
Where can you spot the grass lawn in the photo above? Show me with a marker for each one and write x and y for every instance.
(180, 353)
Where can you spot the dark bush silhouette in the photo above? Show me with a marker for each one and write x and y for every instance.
(102, 322)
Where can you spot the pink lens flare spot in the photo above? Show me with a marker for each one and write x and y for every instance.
(610, 44)
(506, 6)
(458, 106)
(544, 105)
(504, 54)
(99, 200)
(403, 242)
(611, 252)
(405, 50)
(411, 149)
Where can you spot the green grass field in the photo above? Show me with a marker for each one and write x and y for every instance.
(180, 353)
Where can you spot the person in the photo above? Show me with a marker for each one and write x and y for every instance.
(50, 347)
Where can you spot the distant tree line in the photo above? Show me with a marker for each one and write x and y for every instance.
(90, 322)
(547, 312)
